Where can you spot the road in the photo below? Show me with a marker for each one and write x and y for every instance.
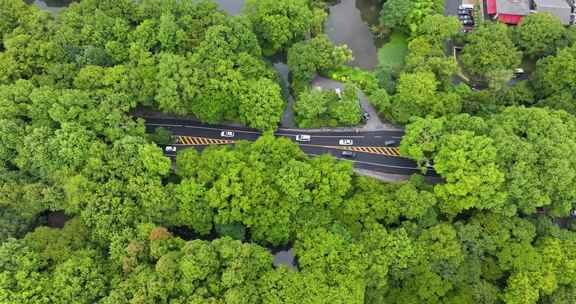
(369, 148)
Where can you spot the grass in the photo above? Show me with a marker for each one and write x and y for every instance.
(392, 53)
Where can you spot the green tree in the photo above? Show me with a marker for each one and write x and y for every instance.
(540, 35)
(279, 24)
(554, 80)
(310, 107)
(316, 108)
(425, 55)
(438, 28)
(408, 15)
(473, 177)
(307, 58)
(490, 49)
(261, 106)
(533, 161)
(417, 95)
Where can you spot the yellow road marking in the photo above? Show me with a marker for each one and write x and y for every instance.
(388, 151)
(201, 141)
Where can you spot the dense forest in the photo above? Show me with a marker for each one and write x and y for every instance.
(496, 229)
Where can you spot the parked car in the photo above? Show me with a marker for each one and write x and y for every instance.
(170, 149)
(348, 154)
(345, 142)
(391, 143)
(228, 134)
(518, 71)
(366, 116)
(465, 11)
(468, 22)
(465, 17)
(303, 137)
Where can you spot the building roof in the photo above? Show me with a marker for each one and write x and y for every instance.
(513, 7)
(491, 7)
(558, 8)
(510, 19)
(552, 3)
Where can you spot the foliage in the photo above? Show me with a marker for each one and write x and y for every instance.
(408, 15)
(540, 35)
(554, 81)
(278, 25)
(522, 164)
(493, 229)
(307, 58)
(391, 55)
(417, 95)
(316, 108)
(364, 80)
(490, 49)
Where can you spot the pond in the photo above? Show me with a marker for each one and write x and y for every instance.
(52, 6)
(349, 23)
(232, 7)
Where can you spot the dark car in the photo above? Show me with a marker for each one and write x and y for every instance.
(465, 17)
(348, 154)
(464, 11)
(468, 22)
(391, 143)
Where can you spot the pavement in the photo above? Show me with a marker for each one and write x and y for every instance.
(369, 147)
(451, 7)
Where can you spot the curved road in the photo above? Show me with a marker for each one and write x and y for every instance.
(371, 152)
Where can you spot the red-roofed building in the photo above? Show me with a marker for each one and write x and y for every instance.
(508, 11)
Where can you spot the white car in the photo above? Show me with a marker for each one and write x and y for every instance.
(346, 142)
(170, 149)
(303, 137)
(227, 134)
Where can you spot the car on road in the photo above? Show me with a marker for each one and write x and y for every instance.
(303, 137)
(391, 143)
(228, 134)
(170, 149)
(345, 142)
(348, 154)
(366, 116)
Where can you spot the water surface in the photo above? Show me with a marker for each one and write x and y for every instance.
(232, 7)
(349, 23)
(52, 6)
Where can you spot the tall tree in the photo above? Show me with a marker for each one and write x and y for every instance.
(540, 35)
(490, 49)
(279, 24)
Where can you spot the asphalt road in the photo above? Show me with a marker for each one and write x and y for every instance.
(320, 142)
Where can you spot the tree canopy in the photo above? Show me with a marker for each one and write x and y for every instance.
(93, 211)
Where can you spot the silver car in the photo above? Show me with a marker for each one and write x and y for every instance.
(303, 137)
(345, 142)
(228, 134)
